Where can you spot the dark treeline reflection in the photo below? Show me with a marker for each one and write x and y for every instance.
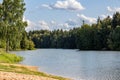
(103, 35)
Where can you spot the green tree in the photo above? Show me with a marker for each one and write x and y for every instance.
(85, 38)
(105, 31)
(97, 40)
(11, 22)
(116, 20)
(114, 39)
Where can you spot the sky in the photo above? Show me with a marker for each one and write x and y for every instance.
(66, 14)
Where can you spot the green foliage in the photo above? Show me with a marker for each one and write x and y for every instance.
(104, 35)
(30, 45)
(114, 39)
(105, 31)
(53, 39)
(116, 20)
(11, 23)
(9, 58)
(12, 26)
(85, 37)
(25, 43)
(2, 44)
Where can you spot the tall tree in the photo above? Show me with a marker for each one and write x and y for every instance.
(12, 22)
(114, 39)
(105, 31)
(85, 37)
(116, 20)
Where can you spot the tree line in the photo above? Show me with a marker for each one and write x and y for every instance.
(102, 35)
(12, 27)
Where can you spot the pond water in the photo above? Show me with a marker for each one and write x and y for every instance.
(74, 64)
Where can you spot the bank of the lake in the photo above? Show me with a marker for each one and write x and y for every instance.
(9, 69)
(74, 64)
(23, 72)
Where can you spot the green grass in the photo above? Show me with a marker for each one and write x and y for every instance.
(9, 58)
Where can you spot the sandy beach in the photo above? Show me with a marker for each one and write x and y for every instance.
(17, 76)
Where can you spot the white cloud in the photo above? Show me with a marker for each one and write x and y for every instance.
(109, 9)
(24, 19)
(66, 5)
(73, 22)
(113, 9)
(52, 25)
(44, 25)
(36, 26)
(53, 22)
(105, 16)
(110, 13)
(87, 19)
(46, 6)
(30, 24)
(65, 25)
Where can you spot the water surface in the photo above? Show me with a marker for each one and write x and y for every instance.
(78, 65)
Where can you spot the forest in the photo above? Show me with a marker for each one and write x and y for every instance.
(102, 35)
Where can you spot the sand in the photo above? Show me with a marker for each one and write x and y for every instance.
(17, 76)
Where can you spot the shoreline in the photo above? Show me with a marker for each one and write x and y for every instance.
(33, 68)
(9, 64)
(31, 73)
(18, 76)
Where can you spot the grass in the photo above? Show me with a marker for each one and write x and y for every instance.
(9, 58)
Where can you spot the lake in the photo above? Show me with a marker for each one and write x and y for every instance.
(74, 64)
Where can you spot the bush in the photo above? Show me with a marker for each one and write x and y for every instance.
(27, 44)
(31, 45)
(9, 58)
(2, 44)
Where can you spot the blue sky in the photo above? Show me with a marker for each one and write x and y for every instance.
(66, 14)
